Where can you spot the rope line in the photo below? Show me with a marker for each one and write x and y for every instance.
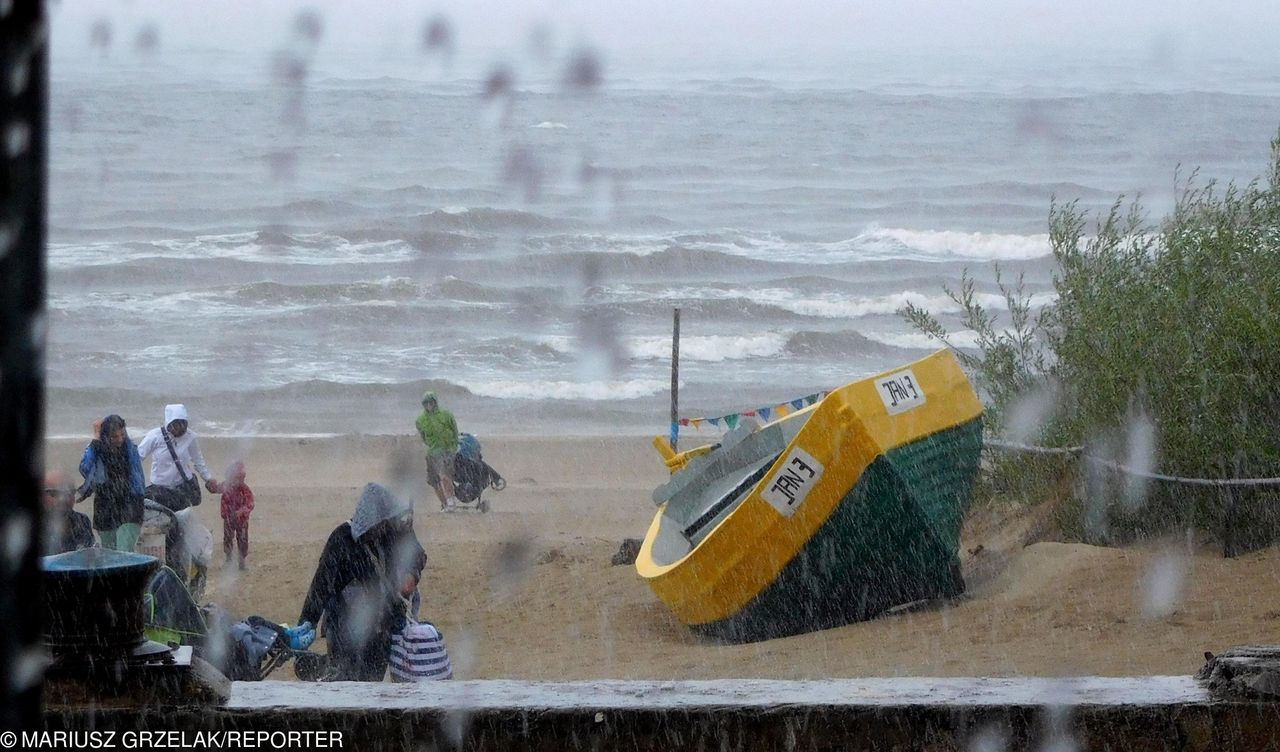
(1029, 449)
(1078, 451)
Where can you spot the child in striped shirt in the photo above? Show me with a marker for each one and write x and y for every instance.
(417, 647)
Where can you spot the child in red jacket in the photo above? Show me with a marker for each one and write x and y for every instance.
(237, 503)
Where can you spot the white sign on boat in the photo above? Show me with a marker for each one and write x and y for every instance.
(900, 392)
(793, 481)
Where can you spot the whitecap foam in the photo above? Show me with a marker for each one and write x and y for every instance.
(594, 391)
(303, 249)
(347, 372)
(874, 244)
(709, 348)
(162, 353)
(826, 305)
(602, 243)
(965, 338)
(548, 124)
(256, 429)
(123, 306)
(209, 306)
(881, 244)
(839, 306)
(985, 246)
(561, 343)
(703, 348)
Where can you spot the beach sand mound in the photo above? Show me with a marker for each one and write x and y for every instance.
(1043, 567)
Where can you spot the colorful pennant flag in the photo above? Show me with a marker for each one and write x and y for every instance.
(764, 413)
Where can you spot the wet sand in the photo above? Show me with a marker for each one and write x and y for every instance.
(527, 591)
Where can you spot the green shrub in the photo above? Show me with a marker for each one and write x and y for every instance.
(1177, 322)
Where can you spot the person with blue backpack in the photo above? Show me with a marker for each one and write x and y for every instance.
(112, 470)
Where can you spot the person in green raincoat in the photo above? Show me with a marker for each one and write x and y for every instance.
(439, 431)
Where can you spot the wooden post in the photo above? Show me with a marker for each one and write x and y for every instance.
(675, 379)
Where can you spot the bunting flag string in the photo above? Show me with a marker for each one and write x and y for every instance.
(764, 413)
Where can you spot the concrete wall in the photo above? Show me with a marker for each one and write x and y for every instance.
(1153, 713)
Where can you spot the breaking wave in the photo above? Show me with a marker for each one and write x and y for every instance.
(984, 246)
(840, 344)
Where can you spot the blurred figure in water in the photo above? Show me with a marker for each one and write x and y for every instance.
(439, 431)
(112, 470)
(65, 529)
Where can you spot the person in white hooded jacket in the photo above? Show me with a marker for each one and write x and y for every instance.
(167, 477)
(175, 485)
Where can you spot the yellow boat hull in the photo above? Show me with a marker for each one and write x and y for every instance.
(897, 454)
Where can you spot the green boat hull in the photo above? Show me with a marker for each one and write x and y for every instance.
(893, 539)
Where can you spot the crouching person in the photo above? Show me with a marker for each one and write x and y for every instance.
(353, 595)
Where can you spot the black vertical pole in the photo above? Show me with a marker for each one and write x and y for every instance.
(1231, 502)
(23, 154)
(675, 379)
(1228, 495)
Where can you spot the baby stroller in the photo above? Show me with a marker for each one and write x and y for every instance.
(472, 475)
(247, 650)
(180, 541)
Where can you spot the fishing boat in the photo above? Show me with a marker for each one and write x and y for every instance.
(831, 514)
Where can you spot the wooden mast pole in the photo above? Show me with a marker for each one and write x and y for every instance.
(675, 379)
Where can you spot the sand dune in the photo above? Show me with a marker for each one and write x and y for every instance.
(527, 591)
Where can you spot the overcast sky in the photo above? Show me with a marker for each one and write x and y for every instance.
(1186, 31)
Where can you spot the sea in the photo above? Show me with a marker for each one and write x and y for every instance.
(299, 243)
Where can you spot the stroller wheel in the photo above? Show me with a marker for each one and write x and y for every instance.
(483, 506)
(310, 666)
(499, 483)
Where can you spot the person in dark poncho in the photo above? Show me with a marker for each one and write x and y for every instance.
(112, 470)
(355, 589)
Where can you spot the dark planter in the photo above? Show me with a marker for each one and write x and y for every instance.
(93, 600)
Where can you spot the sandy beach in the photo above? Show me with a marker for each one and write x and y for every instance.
(527, 591)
